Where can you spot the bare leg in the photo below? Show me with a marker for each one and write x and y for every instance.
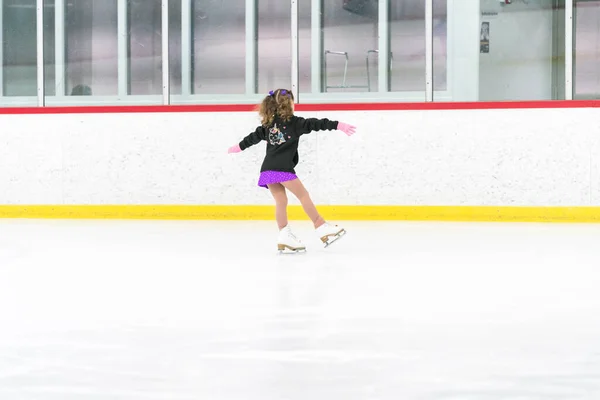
(281, 202)
(298, 189)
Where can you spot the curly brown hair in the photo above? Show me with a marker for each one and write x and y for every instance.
(279, 103)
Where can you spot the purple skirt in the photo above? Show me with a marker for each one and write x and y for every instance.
(270, 177)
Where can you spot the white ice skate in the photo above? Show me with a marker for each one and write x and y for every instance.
(330, 233)
(288, 242)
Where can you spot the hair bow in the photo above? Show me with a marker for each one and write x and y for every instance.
(283, 92)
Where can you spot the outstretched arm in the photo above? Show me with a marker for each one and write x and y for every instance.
(306, 125)
(254, 138)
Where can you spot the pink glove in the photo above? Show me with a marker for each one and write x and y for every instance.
(347, 129)
(234, 149)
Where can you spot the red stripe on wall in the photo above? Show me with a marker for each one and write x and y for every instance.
(449, 106)
(305, 107)
(129, 109)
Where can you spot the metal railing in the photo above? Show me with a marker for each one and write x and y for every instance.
(344, 84)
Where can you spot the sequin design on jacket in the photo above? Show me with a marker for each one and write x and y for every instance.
(276, 136)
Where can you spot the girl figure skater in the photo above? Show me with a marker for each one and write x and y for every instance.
(281, 129)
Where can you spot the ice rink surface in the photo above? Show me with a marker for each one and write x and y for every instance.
(106, 310)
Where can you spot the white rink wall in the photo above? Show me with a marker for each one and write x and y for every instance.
(520, 157)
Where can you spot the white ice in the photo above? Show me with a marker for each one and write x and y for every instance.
(106, 310)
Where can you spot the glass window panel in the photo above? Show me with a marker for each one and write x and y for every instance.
(274, 45)
(407, 45)
(350, 32)
(91, 53)
(440, 53)
(49, 48)
(19, 52)
(145, 47)
(519, 45)
(587, 49)
(219, 47)
(304, 46)
(175, 50)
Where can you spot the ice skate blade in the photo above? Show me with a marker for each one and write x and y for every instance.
(330, 239)
(283, 249)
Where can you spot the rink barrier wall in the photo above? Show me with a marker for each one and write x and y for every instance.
(484, 161)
